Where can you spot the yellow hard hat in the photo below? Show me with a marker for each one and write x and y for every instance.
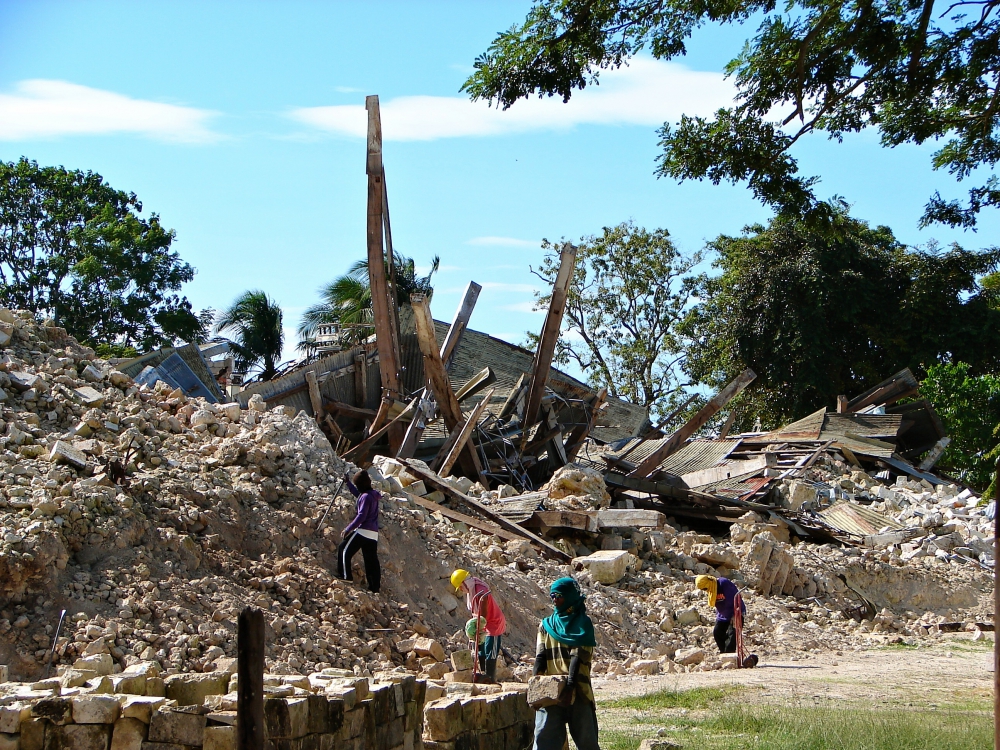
(458, 577)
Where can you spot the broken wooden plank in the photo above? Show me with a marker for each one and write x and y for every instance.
(579, 434)
(464, 434)
(447, 403)
(386, 334)
(428, 406)
(360, 379)
(563, 519)
(315, 399)
(615, 518)
(652, 432)
(430, 480)
(675, 441)
(475, 523)
(724, 432)
(354, 412)
(550, 333)
(509, 404)
(482, 379)
(360, 451)
(727, 471)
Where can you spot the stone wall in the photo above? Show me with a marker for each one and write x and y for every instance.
(501, 721)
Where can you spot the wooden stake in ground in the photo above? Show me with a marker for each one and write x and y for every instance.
(386, 335)
(250, 693)
(678, 439)
(550, 335)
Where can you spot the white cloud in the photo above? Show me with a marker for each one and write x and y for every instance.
(502, 242)
(527, 306)
(45, 108)
(647, 92)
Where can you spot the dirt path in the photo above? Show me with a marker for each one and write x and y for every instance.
(952, 670)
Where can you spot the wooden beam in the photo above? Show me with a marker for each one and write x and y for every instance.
(579, 434)
(354, 412)
(386, 335)
(728, 425)
(675, 441)
(454, 515)
(508, 405)
(447, 403)
(550, 333)
(465, 434)
(360, 380)
(250, 668)
(841, 404)
(315, 399)
(451, 340)
(431, 480)
(360, 451)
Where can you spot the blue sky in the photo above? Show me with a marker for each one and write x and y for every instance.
(240, 124)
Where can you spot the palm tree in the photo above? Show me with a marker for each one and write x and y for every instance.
(347, 300)
(256, 321)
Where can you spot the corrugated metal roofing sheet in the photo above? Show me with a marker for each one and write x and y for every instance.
(877, 426)
(695, 456)
(857, 519)
(807, 428)
(738, 486)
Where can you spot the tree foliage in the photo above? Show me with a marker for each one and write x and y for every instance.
(259, 338)
(77, 250)
(969, 405)
(347, 300)
(915, 70)
(630, 290)
(818, 312)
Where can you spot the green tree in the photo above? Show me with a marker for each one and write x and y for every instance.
(259, 338)
(630, 290)
(75, 249)
(347, 300)
(969, 405)
(817, 313)
(916, 71)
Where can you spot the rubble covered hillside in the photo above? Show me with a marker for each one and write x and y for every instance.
(153, 519)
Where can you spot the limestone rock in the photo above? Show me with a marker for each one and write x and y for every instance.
(606, 566)
(689, 656)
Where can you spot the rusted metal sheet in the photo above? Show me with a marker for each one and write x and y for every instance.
(695, 456)
(857, 519)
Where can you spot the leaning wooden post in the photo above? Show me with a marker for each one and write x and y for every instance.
(550, 335)
(386, 335)
(250, 693)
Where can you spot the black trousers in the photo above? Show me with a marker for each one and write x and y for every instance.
(369, 549)
(725, 636)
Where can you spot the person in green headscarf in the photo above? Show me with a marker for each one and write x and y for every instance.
(565, 646)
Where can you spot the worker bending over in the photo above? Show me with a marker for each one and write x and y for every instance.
(565, 646)
(730, 610)
(361, 533)
(481, 603)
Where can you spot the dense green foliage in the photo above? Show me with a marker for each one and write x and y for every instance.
(259, 338)
(969, 406)
(347, 300)
(834, 309)
(629, 292)
(74, 249)
(914, 70)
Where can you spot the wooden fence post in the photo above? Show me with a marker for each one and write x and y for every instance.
(250, 695)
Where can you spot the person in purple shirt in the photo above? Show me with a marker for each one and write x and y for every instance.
(361, 533)
(722, 595)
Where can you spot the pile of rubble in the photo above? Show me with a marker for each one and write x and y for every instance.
(153, 519)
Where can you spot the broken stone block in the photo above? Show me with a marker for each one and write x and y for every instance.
(78, 737)
(24, 381)
(95, 709)
(33, 734)
(91, 397)
(627, 518)
(658, 744)
(56, 710)
(544, 690)
(462, 659)
(64, 453)
(606, 566)
(128, 734)
(92, 374)
(429, 647)
(688, 616)
(464, 676)
(417, 488)
(129, 684)
(219, 738)
(10, 719)
(716, 555)
(179, 727)
(10, 741)
(6, 331)
(689, 656)
(141, 707)
(646, 666)
(190, 689)
(443, 719)
(799, 494)
(72, 678)
(286, 718)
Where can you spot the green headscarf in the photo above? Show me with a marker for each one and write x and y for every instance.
(569, 623)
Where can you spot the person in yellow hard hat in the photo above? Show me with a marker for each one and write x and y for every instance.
(479, 599)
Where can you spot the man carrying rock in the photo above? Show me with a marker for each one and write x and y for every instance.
(361, 533)
(729, 613)
(480, 602)
(565, 646)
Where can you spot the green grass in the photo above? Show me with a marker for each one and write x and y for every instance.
(769, 727)
(695, 698)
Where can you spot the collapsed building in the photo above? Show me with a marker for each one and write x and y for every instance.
(139, 517)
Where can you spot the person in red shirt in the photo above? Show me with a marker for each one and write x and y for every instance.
(480, 602)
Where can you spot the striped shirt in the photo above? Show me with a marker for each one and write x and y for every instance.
(559, 655)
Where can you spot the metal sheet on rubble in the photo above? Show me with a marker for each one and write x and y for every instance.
(864, 446)
(807, 428)
(695, 456)
(913, 471)
(857, 519)
(736, 487)
(877, 426)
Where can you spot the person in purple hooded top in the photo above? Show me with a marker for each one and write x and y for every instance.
(361, 533)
